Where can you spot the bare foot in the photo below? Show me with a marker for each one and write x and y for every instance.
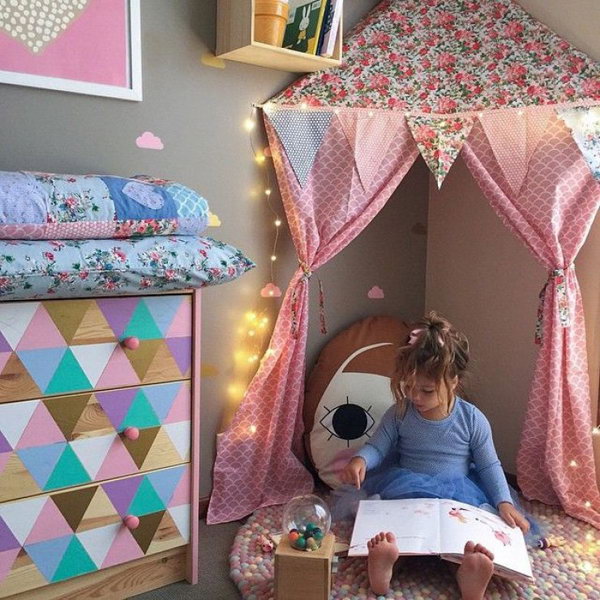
(383, 553)
(475, 572)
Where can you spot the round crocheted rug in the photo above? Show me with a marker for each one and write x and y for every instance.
(567, 572)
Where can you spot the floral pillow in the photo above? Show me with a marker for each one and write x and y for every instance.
(78, 268)
(47, 206)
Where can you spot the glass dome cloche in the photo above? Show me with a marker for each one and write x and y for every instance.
(306, 521)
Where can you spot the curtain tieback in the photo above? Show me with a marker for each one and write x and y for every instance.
(562, 300)
(306, 275)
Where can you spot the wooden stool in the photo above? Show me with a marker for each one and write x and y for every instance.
(301, 575)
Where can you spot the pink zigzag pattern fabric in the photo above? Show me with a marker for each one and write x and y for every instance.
(552, 215)
(253, 470)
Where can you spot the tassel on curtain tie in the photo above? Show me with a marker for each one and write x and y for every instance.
(562, 301)
(306, 275)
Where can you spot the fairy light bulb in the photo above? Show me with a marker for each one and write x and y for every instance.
(249, 124)
(251, 332)
(370, 113)
(596, 431)
(278, 224)
(520, 113)
(273, 258)
(573, 464)
(303, 106)
(260, 158)
(587, 504)
(252, 429)
(268, 192)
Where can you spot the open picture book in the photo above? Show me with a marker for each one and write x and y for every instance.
(431, 526)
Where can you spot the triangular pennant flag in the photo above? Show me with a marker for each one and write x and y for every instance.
(99, 510)
(118, 311)
(146, 500)
(93, 451)
(117, 462)
(145, 531)
(68, 471)
(142, 324)
(67, 316)
(370, 138)
(513, 137)
(73, 504)
(19, 316)
(49, 524)
(47, 555)
(69, 377)
(41, 429)
(14, 417)
(167, 535)
(181, 350)
(94, 328)
(118, 371)
(161, 398)
(123, 549)
(440, 140)
(42, 364)
(179, 433)
(584, 123)
(41, 332)
(163, 310)
(66, 412)
(165, 482)
(181, 325)
(93, 358)
(138, 449)
(40, 461)
(76, 561)
(301, 133)
(98, 541)
(20, 517)
(14, 370)
(181, 516)
(140, 413)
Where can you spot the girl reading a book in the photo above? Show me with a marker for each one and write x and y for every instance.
(433, 444)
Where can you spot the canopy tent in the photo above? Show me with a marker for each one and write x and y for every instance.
(435, 77)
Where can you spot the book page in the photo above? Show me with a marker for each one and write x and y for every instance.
(414, 522)
(461, 522)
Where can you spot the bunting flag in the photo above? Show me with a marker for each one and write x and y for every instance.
(584, 123)
(513, 137)
(440, 140)
(301, 133)
(370, 136)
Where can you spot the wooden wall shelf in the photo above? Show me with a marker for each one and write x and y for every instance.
(235, 41)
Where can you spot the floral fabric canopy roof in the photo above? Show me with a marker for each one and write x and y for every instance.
(451, 56)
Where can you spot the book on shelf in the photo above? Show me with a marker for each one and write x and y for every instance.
(331, 29)
(424, 526)
(305, 18)
(325, 26)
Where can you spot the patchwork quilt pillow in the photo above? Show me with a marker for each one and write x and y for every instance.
(79, 268)
(48, 206)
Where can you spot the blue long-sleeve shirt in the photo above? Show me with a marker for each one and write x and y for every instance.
(447, 446)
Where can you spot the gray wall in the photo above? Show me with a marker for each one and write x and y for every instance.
(198, 112)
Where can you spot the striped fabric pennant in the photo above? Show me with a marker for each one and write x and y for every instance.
(301, 133)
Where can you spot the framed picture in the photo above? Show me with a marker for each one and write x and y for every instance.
(82, 46)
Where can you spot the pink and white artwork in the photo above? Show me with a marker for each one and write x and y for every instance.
(83, 46)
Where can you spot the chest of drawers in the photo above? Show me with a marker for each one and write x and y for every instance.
(99, 454)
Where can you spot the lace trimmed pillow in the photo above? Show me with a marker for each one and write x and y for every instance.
(47, 206)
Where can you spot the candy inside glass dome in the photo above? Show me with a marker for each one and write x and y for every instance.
(306, 521)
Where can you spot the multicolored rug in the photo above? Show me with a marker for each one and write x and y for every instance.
(567, 572)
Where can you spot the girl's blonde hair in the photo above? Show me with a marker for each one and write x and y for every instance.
(434, 350)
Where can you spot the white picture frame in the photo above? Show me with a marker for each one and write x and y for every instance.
(132, 64)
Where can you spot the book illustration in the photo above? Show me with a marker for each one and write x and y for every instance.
(460, 514)
(301, 32)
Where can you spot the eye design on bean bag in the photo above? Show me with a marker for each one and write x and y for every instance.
(348, 392)
(348, 421)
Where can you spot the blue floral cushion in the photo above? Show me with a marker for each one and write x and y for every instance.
(78, 268)
(45, 206)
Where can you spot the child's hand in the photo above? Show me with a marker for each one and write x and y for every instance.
(354, 472)
(513, 517)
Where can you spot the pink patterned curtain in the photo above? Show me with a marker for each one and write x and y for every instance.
(551, 212)
(257, 457)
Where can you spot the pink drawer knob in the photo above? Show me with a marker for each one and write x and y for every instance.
(131, 343)
(131, 433)
(131, 522)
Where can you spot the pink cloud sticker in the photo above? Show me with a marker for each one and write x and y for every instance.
(375, 293)
(149, 141)
(270, 291)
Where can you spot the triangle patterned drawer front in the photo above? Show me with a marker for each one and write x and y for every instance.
(63, 346)
(54, 537)
(63, 441)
